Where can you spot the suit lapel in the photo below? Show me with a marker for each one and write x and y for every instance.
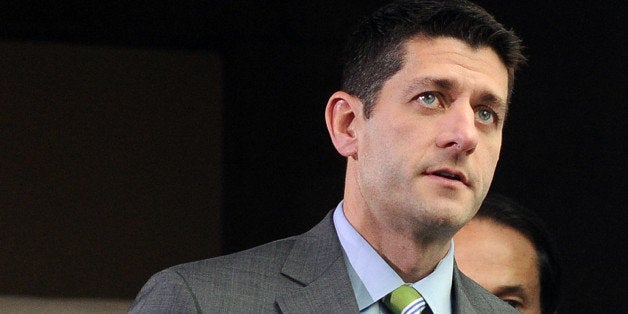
(316, 262)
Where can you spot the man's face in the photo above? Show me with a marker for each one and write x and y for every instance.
(427, 154)
(502, 260)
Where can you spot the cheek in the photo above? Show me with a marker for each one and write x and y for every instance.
(387, 153)
(390, 140)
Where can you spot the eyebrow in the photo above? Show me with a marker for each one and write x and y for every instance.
(494, 101)
(516, 289)
(415, 84)
(486, 97)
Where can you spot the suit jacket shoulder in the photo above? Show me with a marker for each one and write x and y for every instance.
(303, 274)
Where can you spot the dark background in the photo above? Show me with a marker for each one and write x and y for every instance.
(562, 153)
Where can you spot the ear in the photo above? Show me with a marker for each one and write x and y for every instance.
(341, 115)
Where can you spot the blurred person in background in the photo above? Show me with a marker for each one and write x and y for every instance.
(507, 249)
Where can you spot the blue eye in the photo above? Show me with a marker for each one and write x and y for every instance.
(428, 100)
(485, 116)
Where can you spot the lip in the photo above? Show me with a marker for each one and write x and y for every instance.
(449, 174)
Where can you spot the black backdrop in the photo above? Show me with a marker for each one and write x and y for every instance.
(562, 153)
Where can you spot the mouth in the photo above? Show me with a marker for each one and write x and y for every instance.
(450, 175)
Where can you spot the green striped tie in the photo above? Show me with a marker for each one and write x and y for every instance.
(405, 300)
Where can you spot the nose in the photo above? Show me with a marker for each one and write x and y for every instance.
(458, 131)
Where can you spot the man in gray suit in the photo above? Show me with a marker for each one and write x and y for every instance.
(426, 87)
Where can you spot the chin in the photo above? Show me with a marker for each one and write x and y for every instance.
(437, 225)
(446, 217)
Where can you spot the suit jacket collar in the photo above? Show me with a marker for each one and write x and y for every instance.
(317, 263)
(461, 303)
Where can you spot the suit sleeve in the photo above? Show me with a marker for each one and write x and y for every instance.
(166, 292)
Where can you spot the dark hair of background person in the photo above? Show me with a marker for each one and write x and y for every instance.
(374, 51)
(506, 211)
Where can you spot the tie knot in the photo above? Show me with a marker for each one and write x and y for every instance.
(405, 300)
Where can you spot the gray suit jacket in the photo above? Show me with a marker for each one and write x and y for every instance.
(300, 274)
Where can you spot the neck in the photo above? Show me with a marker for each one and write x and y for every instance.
(412, 253)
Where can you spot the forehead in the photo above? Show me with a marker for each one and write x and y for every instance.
(455, 61)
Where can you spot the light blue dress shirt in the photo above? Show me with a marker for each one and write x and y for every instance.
(372, 278)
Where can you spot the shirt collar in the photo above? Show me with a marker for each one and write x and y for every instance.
(375, 278)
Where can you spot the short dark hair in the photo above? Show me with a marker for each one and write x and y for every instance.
(375, 50)
(507, 212)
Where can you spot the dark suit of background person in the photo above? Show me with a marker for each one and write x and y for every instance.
(419, 120)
